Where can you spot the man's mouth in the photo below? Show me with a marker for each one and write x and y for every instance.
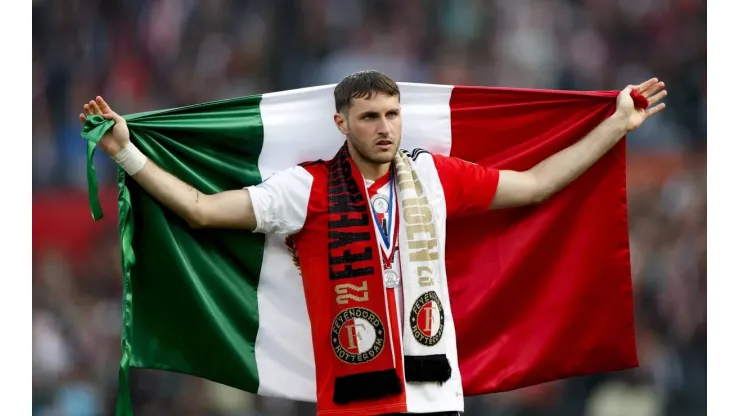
(384, 144)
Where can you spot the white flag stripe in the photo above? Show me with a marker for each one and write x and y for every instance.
(299, 127)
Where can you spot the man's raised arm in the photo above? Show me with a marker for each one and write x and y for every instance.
(557, 171)
(229, 209)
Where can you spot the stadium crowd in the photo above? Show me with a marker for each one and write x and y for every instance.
(142, 55)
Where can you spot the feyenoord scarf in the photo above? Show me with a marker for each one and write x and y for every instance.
(360, 335)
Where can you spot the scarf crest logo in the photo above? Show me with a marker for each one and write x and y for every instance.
(357, 335)
(427, 319)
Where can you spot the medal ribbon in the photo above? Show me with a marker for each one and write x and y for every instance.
(388, 260)
(372, 190)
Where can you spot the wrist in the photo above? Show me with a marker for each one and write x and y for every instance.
(619, 122)
(130, 159)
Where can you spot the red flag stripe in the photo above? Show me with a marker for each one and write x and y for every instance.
(540, 293)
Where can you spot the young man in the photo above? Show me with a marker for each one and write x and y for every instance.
(368, 232)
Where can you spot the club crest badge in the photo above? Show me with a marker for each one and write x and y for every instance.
(357, 335)
(427, 319)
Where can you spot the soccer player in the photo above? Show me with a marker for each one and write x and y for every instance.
(368, 231)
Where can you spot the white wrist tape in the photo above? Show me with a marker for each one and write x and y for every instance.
(131, 159)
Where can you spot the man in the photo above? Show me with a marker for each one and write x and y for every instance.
(368, 233)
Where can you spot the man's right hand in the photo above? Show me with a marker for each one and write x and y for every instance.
(116, 138)
(228, 209)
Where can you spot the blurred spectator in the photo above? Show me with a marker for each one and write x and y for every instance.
(155, 54)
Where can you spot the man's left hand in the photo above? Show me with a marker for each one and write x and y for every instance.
(633, 117)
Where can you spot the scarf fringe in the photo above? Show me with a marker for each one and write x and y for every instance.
(426, 368)
(366, 386)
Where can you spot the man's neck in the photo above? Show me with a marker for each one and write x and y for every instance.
(370, 171)
(373, 171)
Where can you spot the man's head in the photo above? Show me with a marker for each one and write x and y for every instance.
(369, 115)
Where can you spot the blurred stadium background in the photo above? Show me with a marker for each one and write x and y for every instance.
(155, 54)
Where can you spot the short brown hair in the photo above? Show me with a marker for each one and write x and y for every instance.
(363, 85)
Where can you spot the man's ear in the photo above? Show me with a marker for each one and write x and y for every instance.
(341, 121)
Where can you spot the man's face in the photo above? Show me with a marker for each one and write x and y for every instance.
(373, 127)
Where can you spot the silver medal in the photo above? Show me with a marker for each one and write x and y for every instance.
(380, 204)
(390, 278)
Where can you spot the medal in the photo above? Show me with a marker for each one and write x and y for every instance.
(380, 204)
(390, 278)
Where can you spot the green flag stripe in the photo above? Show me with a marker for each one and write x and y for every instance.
(190, 303)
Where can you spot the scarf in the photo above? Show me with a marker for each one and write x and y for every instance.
(361, 335)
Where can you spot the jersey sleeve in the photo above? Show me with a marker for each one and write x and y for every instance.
(469, 188)
(280, 202)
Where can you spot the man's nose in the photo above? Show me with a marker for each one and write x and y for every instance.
(384, 126)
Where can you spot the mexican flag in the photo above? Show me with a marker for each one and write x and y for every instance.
(537, 293)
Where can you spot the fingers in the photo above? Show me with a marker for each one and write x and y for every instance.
(98, 107)
(647, 84)
(654, 89)
(103, 105)
(95, 108)
(657, 97)
(654, 110)
(107, 112)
